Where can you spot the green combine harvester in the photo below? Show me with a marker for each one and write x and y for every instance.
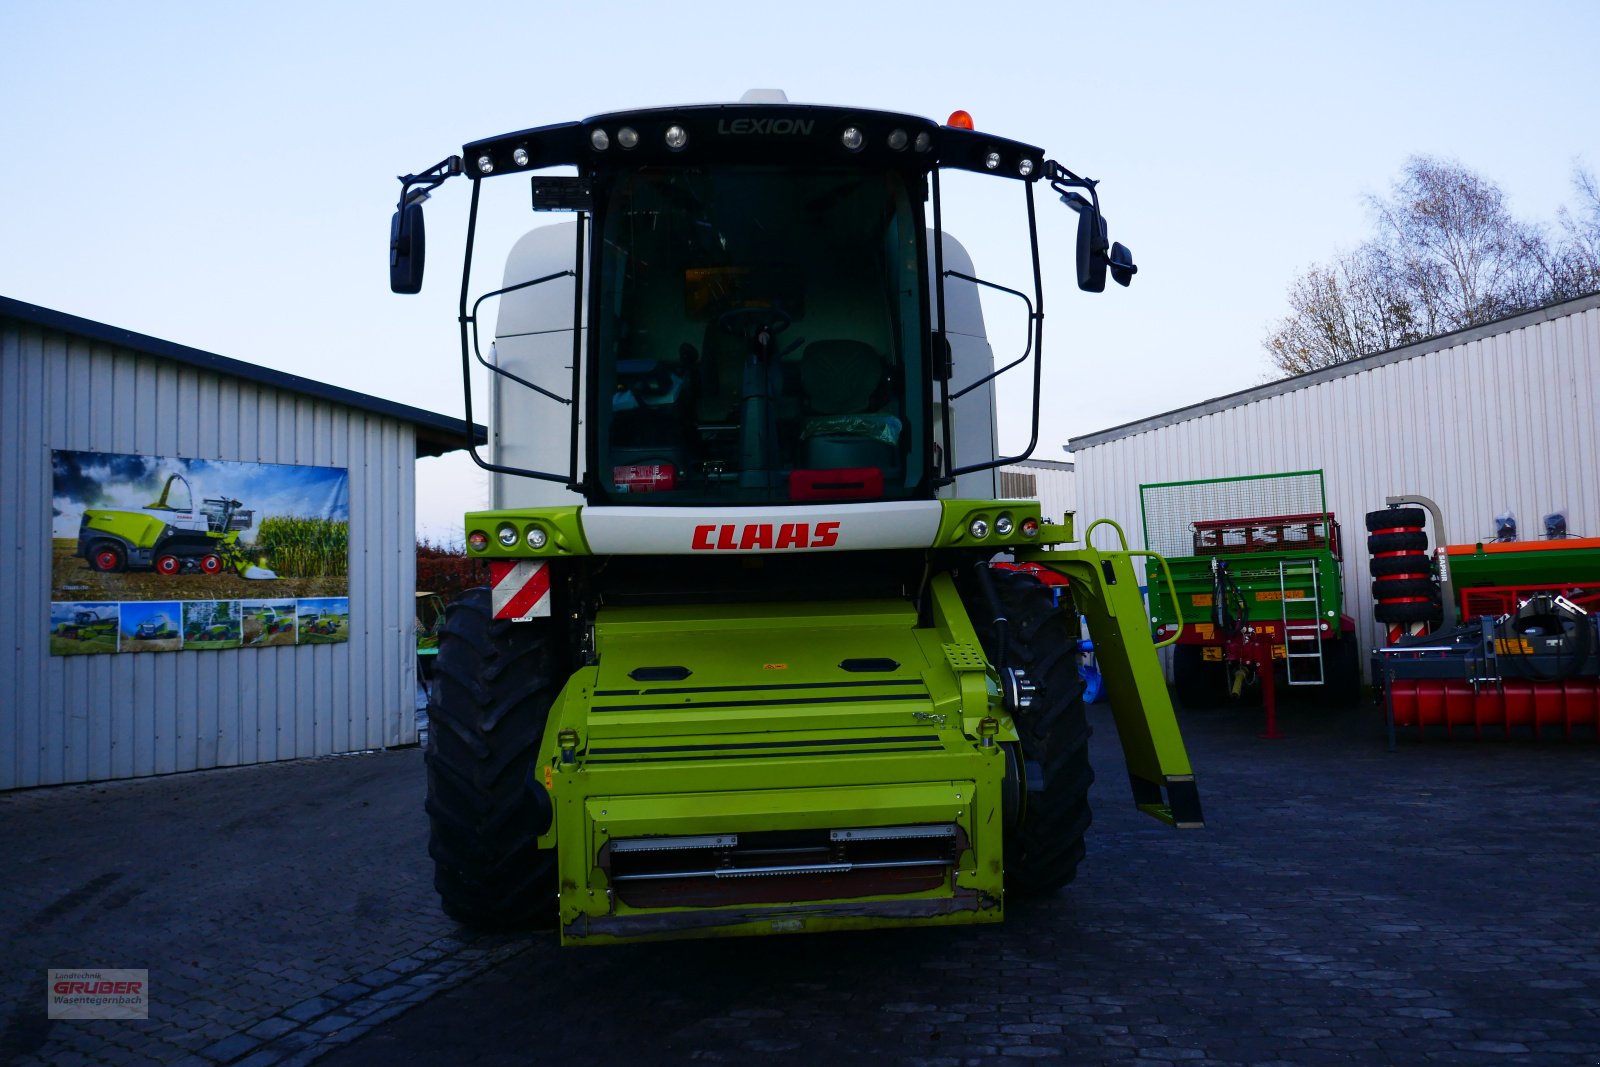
(88, 624)
(744, 666)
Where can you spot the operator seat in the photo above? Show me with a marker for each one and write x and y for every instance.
(719, 374)
(843, 384)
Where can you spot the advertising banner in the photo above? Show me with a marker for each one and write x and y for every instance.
(160, 554)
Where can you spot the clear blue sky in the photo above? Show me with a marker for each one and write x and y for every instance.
(222, 175)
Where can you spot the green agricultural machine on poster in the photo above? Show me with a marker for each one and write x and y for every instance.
(745, 666)
(169, 535)
(155, 628)
(89, 624)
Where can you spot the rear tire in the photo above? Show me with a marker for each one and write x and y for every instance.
(1432, 614)
(1405, 589)
(496, 682)
(1396, 518)
(1388, 566)
(1341, 663)
(1409, 541)
(1197, 682)
(1045, 843)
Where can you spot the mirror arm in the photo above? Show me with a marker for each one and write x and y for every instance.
(414, 188)
(1063, 181)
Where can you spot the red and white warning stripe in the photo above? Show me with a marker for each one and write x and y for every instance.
(519, 590)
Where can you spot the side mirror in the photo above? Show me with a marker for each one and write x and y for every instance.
(1091, 250)
(1122, 266)
(407, 249)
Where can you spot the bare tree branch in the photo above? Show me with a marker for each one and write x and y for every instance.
(1447, 254)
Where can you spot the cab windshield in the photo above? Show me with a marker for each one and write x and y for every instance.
(760, 336)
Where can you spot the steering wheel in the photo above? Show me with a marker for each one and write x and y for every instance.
(746, 322)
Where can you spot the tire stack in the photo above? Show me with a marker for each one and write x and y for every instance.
(1405, 593)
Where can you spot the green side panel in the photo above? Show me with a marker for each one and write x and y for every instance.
(746, 723)
(958, 516)
(1531, 563)
(141, 531)
(1260, 582)
(1105, 590)
(561, 526)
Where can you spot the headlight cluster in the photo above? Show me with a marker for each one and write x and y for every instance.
(534, 535)
(628, 137)
(1002, 525)
(898, 140)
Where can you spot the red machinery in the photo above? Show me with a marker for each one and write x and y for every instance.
(1525, 660)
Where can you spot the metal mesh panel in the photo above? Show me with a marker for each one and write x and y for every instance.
(1172, 508)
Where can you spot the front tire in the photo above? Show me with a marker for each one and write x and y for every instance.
(496, 682)
(1044, 845)
(108, 557)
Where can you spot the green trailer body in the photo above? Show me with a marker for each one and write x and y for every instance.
(1259, 552)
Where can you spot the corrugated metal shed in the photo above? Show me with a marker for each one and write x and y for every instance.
(1499, 416)
(1051, 482)
(69, 383)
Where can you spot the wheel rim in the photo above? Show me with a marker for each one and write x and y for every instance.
(211, 564)
(106, 559)
(168, 565)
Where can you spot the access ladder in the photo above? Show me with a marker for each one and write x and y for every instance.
(1302, 638)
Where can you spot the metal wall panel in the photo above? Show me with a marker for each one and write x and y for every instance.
(88, 718)
(1054, 485)
(1482, 423)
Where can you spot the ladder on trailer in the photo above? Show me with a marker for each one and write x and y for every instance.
(1302, 638)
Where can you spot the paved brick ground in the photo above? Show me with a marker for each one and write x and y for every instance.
(1440, 904)
(1345, 905)
(272, 906)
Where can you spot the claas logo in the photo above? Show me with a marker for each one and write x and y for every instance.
(757, 535)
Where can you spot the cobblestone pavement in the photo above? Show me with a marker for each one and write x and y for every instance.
(1439, 904)
(273, 906)
(1344, 905)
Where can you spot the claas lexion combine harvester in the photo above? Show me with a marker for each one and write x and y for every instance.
(1487, 639)
(745, 666)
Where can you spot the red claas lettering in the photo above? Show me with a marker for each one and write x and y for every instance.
(754, 536)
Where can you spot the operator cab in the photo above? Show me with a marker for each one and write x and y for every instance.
(759, 314)
(760, 335)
